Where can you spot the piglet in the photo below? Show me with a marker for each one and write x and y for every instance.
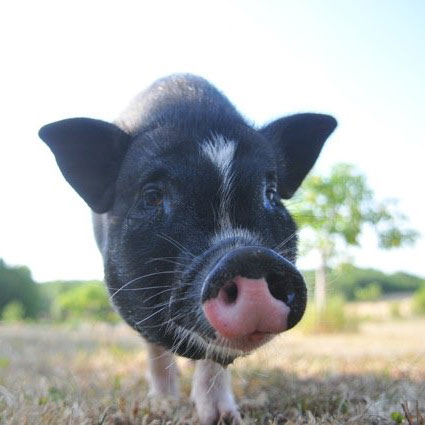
(188, 210)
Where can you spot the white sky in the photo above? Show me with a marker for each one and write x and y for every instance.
(362, 61)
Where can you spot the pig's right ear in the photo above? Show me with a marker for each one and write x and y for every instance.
(297, 141)
(89, 153)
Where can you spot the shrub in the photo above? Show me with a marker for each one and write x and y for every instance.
(88, 301)
(332, 319)
(370, 292)
(419, 301)
(13, 312)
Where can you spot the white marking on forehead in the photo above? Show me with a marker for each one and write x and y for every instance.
(221, 151)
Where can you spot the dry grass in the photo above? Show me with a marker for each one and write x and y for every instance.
(95, 375)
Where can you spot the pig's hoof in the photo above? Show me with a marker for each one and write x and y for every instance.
(220, 411)
(233, 418)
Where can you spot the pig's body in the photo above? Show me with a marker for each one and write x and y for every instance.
(199, 251)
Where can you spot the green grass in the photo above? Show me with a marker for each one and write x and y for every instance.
(95, 375)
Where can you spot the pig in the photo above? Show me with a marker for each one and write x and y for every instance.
(199, 250)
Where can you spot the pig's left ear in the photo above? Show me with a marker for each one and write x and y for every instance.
(297, 141)
(89, 153)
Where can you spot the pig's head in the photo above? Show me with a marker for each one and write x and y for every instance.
(199, 249)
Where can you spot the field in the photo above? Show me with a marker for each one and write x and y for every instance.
(94, 374)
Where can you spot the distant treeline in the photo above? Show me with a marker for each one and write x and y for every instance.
(22, 298)
(357, 284)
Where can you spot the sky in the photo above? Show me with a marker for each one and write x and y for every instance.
(363, 62)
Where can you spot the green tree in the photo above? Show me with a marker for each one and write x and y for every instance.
(16, 285)
(336, 208)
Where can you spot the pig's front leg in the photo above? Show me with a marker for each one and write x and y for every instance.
(212, 394)
(162, 374)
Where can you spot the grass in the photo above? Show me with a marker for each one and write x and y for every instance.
(95, 375)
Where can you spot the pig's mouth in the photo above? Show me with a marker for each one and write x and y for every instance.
(247, 343)
(219, 349)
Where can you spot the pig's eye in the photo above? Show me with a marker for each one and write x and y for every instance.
(153, 197)
(272, 196)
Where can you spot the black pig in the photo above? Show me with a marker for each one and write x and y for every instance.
(199, 251)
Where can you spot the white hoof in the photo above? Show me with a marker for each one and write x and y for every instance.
(212, 394)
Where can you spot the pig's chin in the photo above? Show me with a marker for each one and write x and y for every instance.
(246, 343)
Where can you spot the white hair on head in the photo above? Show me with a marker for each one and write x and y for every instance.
(221, 151)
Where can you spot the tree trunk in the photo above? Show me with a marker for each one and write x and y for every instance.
(320, 284)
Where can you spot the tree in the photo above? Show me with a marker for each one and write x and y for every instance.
(335, 209)
(16, 285)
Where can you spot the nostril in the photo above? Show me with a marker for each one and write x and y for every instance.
(281, 288)
(229, 293)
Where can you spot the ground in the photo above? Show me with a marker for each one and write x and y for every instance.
(95, 374)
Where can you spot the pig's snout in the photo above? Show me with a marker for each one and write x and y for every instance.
(245, 307)
(253, 292)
